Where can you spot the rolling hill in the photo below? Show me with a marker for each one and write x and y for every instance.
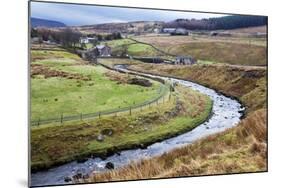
(37, 22)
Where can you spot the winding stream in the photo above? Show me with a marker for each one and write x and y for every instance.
(226, 114)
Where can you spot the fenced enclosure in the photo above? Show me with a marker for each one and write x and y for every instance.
(163, 91)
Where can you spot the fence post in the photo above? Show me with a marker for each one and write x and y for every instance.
(61, 118)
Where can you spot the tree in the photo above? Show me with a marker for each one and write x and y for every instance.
(40, 40)
(34, 33)
(69, 37)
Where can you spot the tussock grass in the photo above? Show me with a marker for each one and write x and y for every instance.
(241, 51)
(239, 149)
(246, 83)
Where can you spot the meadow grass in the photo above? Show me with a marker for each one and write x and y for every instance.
(52, 145)
(111, 62)
(118, 42)
(142, 50)
(53, 96)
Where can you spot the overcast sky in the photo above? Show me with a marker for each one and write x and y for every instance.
(71, 14)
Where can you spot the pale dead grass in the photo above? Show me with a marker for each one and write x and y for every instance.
(239, 149)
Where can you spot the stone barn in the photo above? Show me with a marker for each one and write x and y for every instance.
(185, 60)
(104, 50)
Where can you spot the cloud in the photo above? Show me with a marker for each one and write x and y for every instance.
(73, 14)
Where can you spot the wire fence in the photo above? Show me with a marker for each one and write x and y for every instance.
(162, 91)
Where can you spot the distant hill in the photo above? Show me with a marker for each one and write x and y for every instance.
(225, 22)
(37, 22)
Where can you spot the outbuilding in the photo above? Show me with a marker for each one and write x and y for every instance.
(185, 60)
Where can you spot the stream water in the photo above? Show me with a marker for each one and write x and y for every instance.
(226, 114)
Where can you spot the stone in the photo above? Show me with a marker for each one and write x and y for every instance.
(82, 160)
(118, 153)
(107, 132)
(100, 138)
(142, 146)
(86, 176)
(67, 179)
(109, 165)
(140, 81)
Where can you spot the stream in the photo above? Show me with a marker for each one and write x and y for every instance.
(226, 114)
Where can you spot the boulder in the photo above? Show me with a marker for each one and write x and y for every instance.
(82, 160)
(67, 179)
(100, 138)
(140, 81)
(109, 165)
(107, 132)
(142, 146)
(86, 176)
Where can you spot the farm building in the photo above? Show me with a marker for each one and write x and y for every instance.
(86, 40)
(169, 30)
(185, 60)
(104, 50)
(176, 31)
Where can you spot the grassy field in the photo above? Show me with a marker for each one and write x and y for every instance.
(133, 48)
(119, 42)
(75, 140)
(242, 51)
(111, 62)
(244, 82)
(167, 40)
(232, 53)
(88, 88)
(63, 83)
(142, 50)
(239, 149)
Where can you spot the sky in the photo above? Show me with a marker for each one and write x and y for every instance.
(74, 15)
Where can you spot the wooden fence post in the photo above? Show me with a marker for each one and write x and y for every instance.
(61, 118)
